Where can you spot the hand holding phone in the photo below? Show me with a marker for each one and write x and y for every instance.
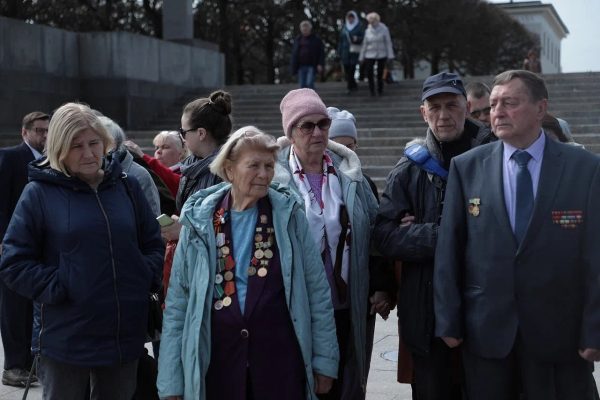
(164, 220)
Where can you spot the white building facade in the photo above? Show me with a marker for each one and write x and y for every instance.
(544, 21)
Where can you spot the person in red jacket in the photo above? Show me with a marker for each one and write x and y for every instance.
(169, 151)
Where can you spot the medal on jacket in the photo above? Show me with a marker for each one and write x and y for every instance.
(474, 206)
(224, 285)
(264, 239)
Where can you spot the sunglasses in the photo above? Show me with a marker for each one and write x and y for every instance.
(182, 131)
(484, 111)
(308, 127)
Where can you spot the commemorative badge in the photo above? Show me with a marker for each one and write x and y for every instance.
(474, 206)
(567, 219)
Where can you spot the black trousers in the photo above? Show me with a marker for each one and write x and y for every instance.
(504, 379)
(369, 65)
(349, 70)
(435, 374)
(16, 321)
(342, 328)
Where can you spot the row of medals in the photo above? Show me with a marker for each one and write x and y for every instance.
(259, 263)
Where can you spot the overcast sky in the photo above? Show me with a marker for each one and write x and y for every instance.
(581, 48)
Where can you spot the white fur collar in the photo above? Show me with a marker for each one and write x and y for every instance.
(349, 164)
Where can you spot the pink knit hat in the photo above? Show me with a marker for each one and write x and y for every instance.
(298, 103)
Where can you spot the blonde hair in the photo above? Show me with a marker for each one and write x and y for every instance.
(177, 139)
(245, 137)
(66, 123)
(373, 17)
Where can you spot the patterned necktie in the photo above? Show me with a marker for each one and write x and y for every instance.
(524, 205)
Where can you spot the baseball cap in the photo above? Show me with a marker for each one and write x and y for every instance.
(444, 82)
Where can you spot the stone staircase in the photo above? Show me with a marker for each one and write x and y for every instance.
(384, 123)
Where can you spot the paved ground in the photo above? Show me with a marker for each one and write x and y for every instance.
(382, 380)
(382, 383)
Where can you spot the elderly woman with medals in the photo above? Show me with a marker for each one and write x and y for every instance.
(340, 208)
(248, 312)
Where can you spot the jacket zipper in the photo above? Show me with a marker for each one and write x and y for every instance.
(114, 272)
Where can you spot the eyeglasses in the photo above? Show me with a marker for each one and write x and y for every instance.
(477, 113)
(184, 131)
(40, 131)
(308, 127)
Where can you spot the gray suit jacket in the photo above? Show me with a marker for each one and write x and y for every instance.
(488, 289)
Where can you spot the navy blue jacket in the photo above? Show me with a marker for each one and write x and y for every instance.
(76, 252)
(316, 50)
(355, 36)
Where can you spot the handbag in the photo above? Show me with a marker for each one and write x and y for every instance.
(354, 47)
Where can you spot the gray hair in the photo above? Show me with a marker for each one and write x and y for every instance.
(245, 137)
(477, 89)
(533, 82)
(114, 130)
(373, 17)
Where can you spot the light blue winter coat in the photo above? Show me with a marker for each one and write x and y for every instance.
(362, 209)
(186, 337)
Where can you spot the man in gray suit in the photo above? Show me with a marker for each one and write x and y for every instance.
(517, 264)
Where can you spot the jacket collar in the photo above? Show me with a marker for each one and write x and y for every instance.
(125, 158)
(39, 170)
(201, 205)
(344, 159)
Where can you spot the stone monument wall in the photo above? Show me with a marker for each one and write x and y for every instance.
(130, 78)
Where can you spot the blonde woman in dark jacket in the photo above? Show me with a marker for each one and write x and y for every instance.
(84, 244)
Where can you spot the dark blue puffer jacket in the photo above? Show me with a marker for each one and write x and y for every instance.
(76, 252)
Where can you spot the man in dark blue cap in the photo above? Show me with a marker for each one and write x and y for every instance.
(407, 224)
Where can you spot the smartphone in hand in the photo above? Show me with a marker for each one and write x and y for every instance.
(164, 220)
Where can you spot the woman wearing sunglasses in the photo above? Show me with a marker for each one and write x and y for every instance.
(340, 208)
